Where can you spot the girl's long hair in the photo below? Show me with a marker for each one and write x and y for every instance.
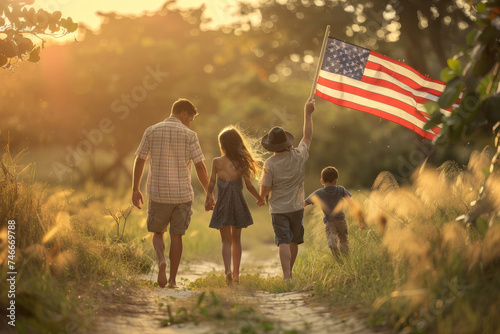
(235, 146)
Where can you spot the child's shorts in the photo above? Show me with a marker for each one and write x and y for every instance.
(336, 235)
(162, 214)
(288, 227)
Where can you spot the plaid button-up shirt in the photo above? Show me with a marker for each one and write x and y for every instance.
(171, 146)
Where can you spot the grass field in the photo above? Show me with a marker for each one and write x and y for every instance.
(414, 269)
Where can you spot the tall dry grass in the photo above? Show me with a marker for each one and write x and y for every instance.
(417, 268)
(60, 255)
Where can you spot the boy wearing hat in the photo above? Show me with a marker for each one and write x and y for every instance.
(283, 181)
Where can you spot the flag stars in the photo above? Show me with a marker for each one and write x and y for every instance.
(345, 59)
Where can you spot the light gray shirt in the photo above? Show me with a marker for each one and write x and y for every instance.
(284, 173)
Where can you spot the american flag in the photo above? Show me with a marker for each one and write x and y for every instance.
(357, 78)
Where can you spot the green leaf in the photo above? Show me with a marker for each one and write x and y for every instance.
(432, 108)
(447, 75)
(455, 65)
(432, 123)
(35, 55)
(72, 27)
(8, 48)
(55, 16)
(25, 45)
(436, 117)
(451, 93)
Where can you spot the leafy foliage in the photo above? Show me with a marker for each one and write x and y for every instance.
(233, 75)
(419, 32)
(20, 24)
(474, 70)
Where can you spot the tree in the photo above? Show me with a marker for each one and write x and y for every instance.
(21, 25)
(423, 33)
(473, 72)
(473, 75)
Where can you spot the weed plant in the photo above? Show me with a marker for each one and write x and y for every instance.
(59, 254)
(415, 268)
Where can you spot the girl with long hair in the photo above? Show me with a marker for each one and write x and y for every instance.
(236, 164)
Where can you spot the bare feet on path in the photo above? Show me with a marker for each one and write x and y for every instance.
(172, 285)
(229, 278)
(162, 275)
(138, 310)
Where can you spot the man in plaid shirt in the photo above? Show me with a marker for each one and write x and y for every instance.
(171, 146)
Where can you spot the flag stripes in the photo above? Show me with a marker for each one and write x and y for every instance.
(360, 79)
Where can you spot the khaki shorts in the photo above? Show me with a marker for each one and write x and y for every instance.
(337, 236)
(161, 214)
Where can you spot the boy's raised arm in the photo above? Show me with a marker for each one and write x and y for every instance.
(308, 126)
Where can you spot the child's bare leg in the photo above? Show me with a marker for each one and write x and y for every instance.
(236, 238)
(294, 249)
(159, 246)
(285, 257)
(225, 233)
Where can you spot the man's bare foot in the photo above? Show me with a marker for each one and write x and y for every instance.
(172, 285)
(229, 278)
(236, 279)
(162, 275)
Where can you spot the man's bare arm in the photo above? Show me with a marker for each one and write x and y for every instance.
(209, 200)
(308, 125)
(137, 199)
(201, 172)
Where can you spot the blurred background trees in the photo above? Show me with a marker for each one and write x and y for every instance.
(83, 109)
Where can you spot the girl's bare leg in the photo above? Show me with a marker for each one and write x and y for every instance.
(236, 237)
(225, 233)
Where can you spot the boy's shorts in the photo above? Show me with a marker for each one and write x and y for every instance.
(337, 235)
(288, 227)
(161, 214)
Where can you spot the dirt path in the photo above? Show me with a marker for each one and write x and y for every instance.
(138, 311)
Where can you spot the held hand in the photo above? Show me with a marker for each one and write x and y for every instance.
(209, 203)
(310, 105)
(261, 201)
(137, 198)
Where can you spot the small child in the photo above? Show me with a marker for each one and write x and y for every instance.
(231, 212)
(331, 198)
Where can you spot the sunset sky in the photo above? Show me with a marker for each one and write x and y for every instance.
(84, 11)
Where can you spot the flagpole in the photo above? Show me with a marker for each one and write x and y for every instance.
(320, 60)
